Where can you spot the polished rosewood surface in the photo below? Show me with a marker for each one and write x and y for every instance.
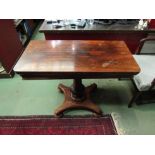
(76, 58)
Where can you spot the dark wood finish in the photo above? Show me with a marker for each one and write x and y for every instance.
(134, 98)
(131, 39)
(78, 102)
(128, 33)
(140, 93)
(4, 74)
(10, 45)
(152, 24)
(76, 60)
(78, 90)
(142, 41)
(32, 24)
(73, 59)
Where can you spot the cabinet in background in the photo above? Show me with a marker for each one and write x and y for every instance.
(12, 42)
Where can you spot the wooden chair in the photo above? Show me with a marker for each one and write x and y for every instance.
(144, 82)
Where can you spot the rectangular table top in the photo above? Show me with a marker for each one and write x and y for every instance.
(76, 58)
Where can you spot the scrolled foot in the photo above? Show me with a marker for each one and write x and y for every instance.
(62, 88)
(59, 115)
(97, 114)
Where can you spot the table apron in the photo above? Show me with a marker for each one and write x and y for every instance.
(53, 76)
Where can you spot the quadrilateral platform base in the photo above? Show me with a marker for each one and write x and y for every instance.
(72, 102)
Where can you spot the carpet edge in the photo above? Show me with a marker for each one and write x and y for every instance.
(116, 117)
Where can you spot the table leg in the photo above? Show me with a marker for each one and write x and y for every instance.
(77, 97)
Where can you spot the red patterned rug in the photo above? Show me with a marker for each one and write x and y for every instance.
(48, 125)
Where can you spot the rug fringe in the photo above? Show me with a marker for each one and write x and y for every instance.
(116, 117)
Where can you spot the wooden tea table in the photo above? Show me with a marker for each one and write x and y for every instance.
(77, 60)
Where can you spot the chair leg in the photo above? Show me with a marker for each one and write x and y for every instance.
(135, 97)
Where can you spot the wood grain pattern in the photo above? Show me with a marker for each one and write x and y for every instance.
(76, 58)
(132, 39)
(128, 33)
